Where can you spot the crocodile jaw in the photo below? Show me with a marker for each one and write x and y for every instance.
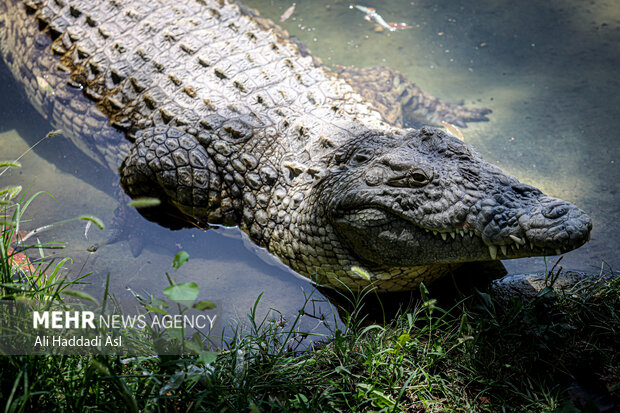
(388, 239)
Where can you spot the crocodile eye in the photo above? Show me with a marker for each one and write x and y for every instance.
(360, 158)
(418, 177)
(355, 159)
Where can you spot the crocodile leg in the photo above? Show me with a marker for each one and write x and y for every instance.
(402, 103)
(168, 164)
(172, 166)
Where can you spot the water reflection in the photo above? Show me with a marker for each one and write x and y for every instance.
(548, 70)
(554, 125)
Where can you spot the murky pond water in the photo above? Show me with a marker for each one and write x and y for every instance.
(548, 70)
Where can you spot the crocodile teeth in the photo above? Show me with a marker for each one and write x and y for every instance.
(462, 233)
(434, 232)
(558, 252)
(444, 236)
(516, 239)
(503, 247)
(493, 251)
(531, 245)
(453, 235)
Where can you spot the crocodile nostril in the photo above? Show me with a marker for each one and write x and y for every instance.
(555, 211)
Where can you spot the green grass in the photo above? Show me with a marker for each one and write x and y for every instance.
(470, 357)
(471, 354)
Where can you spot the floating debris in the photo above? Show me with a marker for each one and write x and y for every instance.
(88, 224)
(288, 13)
(399, 26)
(396, 26)
(371, 14)
(453, 130)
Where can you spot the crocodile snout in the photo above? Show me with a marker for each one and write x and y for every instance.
(556, 224)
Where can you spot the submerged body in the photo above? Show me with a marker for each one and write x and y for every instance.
(219, 114)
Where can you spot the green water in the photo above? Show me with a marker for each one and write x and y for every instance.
(548, 71)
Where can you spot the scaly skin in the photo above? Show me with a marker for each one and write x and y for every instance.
(220, 115)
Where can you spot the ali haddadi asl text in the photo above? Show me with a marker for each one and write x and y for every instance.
(81, 341)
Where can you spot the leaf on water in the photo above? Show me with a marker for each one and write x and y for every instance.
(80, 294)
(144, 202)
(10, 164)
(182, 292)
(180, 259)
(92, 219)
(204, 305)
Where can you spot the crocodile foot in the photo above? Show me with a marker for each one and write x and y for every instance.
(402, 103)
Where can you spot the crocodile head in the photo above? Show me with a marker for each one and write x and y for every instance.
(425, 198)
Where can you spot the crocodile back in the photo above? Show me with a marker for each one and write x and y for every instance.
(103, 70)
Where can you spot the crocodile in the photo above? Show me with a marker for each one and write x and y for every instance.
(227, 120)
